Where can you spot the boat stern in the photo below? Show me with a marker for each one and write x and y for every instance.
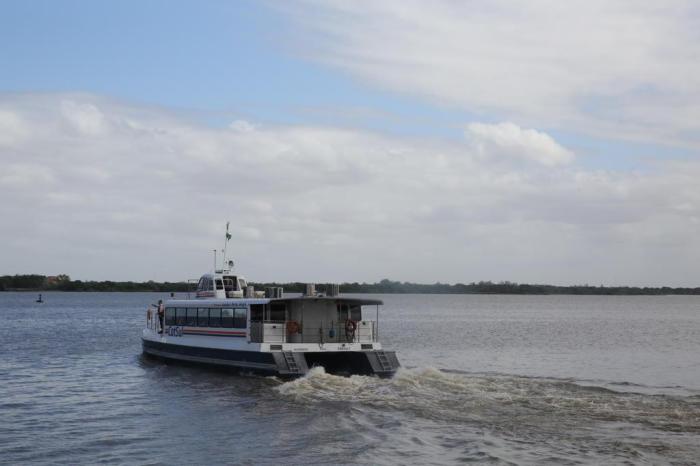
(378, 362)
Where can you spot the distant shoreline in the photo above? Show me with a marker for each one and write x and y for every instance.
(40, 283)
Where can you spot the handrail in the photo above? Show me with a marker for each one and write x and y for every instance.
(276, 332)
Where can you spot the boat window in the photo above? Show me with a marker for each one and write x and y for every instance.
(355, 313)
(256, 312)
(219, 284)
(230, 283)
(239, 317)
(215, 317)
(181, 316)
(169, 316)
(192, 316)
(227, 318)
(242, 284)
(203, 317)
(277, 311)
(205, 284)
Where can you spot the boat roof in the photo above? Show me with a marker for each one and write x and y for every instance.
(344, 299)
(234, 301)
(214, 302)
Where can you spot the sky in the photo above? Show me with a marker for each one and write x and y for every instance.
(528, 141)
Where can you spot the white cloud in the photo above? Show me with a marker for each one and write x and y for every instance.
(508, 139)
(84, 117)
(148, 200)
(241, 126)
(624, 68)
(12, 129)
(25, 176)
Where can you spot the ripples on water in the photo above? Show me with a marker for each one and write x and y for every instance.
(76, 390)
(437, 416)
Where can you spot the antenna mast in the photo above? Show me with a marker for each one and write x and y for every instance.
(228, 237)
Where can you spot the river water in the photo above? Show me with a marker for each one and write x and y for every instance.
(486, 379)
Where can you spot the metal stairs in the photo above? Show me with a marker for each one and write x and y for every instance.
(384, 362)
(291, 362)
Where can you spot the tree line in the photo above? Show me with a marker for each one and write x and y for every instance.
(64, 283)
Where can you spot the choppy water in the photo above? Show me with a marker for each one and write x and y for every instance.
(487, 379)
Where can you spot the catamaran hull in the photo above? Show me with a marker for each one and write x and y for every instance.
(279, 363)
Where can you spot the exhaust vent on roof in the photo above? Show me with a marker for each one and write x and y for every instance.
(332, 289)
(273, 292)
(310, 290)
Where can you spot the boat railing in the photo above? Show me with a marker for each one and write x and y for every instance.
(278, 332)
(152, 319)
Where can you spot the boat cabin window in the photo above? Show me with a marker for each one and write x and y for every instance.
(215, 317)
(169, 316)
(230, 283)
(219, 284)
(242, 284)
(209, 317)
(205, 284)
(278, 311)
(240, 317)
(203, 317)
(256, 312)
(191, 317)
(227, 318)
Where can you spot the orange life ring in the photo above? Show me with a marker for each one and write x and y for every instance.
(350, 326)
(292, 327)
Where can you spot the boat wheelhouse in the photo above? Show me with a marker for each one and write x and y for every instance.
(229, 324)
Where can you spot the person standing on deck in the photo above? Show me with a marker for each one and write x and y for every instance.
(161, 313)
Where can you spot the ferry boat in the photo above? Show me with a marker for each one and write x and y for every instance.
(229, 324)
